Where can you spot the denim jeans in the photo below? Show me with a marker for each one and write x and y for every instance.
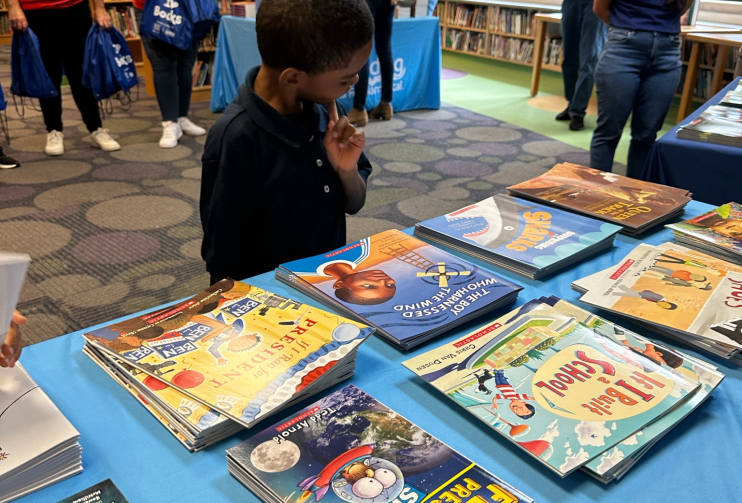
(583, 35)
(172, 70)
(638, 72)
(383, 13)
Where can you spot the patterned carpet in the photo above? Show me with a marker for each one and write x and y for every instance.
(114, 233)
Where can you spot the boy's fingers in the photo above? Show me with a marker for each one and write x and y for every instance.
(339, 131)
(348, 132)
(333, 109)
(358, 138)
(18, 318)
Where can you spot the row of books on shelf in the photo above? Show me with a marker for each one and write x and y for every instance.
(552, 51)
(202, 72)
(516, 21)
(468, 16)
(5, 28)
(708, 54)
(512, 49)
(534, 375)
(466, 41)
(124, 20)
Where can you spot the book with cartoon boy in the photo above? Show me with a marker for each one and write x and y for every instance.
(635, 205)
(554, 386)
(237, 348)
(717, 232)
(523, 236)
(683, 293)
(349, 448)
(615, 462)
(409, 290)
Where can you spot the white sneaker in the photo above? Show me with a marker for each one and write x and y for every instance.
(54, 143)
(102, 139)
(190, 128)
(171, 133)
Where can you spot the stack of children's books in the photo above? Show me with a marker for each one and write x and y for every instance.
(227, 358)
(717, 232)
(717, 124)
(568, 387)
(733, 98)
(633, 204)
(408, 290)
(519, 235)
(348, 447)
(673, 290)
(38, 445)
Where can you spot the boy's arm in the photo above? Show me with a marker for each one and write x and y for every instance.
(344, 147)
(602, 9)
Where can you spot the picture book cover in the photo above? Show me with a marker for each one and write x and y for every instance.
(605, 195)
(704, 373)
(671, 286)
(522, 230)
(721, 226)
(555, 387)
(234, 346)
(348, 447)
(400, 283)
(102, 492)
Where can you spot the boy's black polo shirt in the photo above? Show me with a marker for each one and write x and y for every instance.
(268, 192)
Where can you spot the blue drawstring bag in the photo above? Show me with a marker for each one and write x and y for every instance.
(97, 73)
(3, 116)
(169, 21)
(3, 103)
(204, 14)
(121, 61)
(29, 77)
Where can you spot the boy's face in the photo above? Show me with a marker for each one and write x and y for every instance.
(519, 408)
(329, 86)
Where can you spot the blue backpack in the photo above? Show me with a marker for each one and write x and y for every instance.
(29, 77)
(205, 14)
(169, 21)
(121, 61)
(97, 73)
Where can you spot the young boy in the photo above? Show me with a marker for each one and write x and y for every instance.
(282, 167)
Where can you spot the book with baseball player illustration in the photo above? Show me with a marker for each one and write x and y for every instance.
(409, 290)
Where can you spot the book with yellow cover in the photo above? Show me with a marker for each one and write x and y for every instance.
(237, 347)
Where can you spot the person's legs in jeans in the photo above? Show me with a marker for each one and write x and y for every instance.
(653, 100)
(164, 60)
(571, 28)
(186, 60)
(72, 39)
(383, 21)
(592, 36)
(617, 77)
(45, 27)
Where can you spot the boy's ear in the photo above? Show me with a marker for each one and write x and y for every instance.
(338, 285)
(291, 77)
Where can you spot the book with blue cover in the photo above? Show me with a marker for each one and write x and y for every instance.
(523, 236)
(409, 290)
(349, 448)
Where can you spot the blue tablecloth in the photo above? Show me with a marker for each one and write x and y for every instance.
(416, 45)
(712, 172)
(697, 461)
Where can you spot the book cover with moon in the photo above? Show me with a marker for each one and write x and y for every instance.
(554, 386)
(349, 448)
(234, 347)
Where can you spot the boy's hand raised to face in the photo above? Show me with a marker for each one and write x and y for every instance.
(343, 142)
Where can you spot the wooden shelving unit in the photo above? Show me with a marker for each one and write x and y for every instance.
(706, 70)
(509, 23)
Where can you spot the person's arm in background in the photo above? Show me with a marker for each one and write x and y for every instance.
(16, 16)
(602, 9)
(101, 15)
(10, 350)
(688, 5)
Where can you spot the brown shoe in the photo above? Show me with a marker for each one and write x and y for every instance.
(358, 117)
(382, 111)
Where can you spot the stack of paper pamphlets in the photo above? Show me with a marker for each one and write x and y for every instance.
(38, 445)
(633, 204)
(568, 387)
(718, 232)
(733, 98)
(673, 290)
(409, 290)
(717, 124)
(102, 492)
(522, 236)
(227, 358)
(348, 447)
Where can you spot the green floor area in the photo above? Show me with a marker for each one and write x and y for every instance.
(502, 90)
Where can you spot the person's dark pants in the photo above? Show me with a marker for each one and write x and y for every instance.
(172, 70)
(383, 13)
(637, 75)
(583, 35)
(62, 34)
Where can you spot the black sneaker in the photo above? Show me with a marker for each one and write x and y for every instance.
(563, 115)
(7, 162)
(576, 124)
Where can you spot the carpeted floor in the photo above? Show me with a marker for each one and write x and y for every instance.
(114, 233)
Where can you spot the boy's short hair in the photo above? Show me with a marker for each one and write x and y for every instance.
(313, 36)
